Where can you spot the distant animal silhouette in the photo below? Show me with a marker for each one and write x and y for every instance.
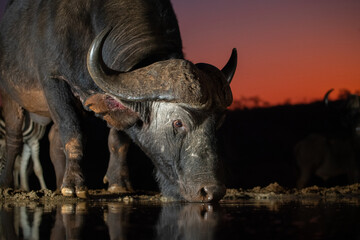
(332, 155)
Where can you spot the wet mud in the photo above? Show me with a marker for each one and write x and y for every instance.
(272, 191)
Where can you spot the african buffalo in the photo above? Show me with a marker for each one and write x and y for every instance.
(123, 60)
(332, 155)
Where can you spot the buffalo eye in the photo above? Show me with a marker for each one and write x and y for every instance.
(177, 124)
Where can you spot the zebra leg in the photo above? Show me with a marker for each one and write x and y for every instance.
(35, 148)
(24, 160)
(38, 212)
(24, 223)
(13, 115)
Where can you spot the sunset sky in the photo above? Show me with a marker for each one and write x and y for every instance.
(288, 49)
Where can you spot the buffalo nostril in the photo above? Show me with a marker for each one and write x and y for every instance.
(203, 193)
(209, 191)
(212, 193)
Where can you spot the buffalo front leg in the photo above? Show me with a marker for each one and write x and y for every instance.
(13, 116)
(57, 155)
(65, 112)
(117, 174)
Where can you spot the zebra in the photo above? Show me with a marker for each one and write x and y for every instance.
(32, 134)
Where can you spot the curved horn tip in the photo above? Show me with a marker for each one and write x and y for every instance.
(230, 67)
(326, 97)
(329, 91)
(234, 52)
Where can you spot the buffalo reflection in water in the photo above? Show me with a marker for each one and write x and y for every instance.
(192, 221)
(110, 221)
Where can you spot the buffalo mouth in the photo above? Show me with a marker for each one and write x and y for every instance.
(205, 192)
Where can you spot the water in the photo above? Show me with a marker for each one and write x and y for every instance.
(245, 219)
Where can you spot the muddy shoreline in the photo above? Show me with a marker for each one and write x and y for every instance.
(272, 192)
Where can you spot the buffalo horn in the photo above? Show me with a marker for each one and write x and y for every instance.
(173, 80)
(326, 97)
(230, 67)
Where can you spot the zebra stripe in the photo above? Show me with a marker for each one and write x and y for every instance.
(31, 130)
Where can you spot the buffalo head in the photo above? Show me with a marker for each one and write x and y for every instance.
(171, 109)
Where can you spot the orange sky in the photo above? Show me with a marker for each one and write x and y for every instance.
(294, 49)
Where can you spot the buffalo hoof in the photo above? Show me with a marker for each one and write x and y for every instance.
(67, 192)
(80, 193)
(115, 188)
(67, 209)
(79, 208)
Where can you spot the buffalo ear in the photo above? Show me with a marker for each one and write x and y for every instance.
(96, 103)
(113, 111)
